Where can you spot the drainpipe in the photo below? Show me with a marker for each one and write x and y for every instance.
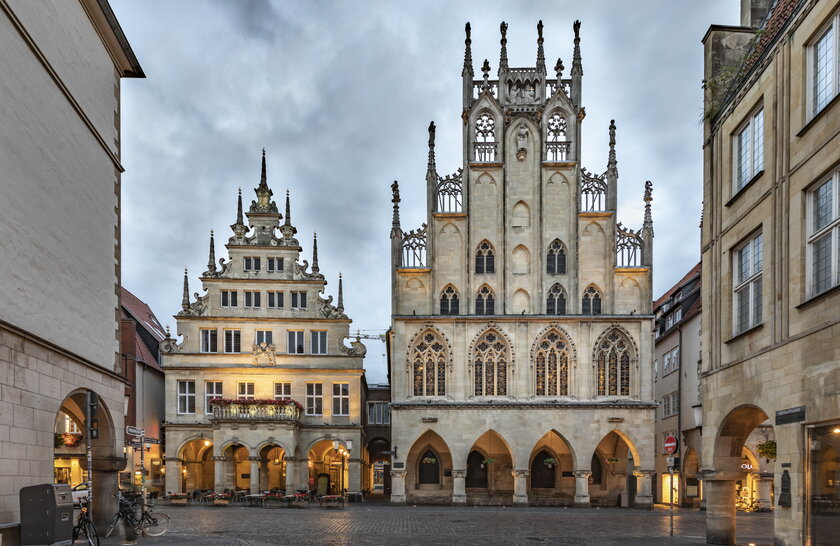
(681, 478)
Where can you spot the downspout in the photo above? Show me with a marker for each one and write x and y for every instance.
(679, 414)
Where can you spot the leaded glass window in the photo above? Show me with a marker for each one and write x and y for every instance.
(491, 358)
(428, 361)
(556, 301)
(555, 262)
(552, 364)
(591, 304)
(485, 302)
(485, 258)
(612, 362)
(449, 301)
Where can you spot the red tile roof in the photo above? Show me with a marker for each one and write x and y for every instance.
(139, 311)
(695, 271)
(143, 354)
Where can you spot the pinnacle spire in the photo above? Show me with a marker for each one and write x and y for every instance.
(540, 52)
(577, 67)
(239, 219)
(263, 179)
(612, 163)
(396, 230)
(648, 223)
(340, 305)
(315, 268)
(211, 263)
(468, 69)
(185, 300)
(263, 204)
(288, 221)
(503, 59)
(431, 169)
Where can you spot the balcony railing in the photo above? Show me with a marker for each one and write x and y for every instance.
(245, 411)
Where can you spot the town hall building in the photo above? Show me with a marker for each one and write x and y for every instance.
(521, 335)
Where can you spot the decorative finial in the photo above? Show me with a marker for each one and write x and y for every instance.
(239, 219)
(340, 305)
(185, 300)
(168, 333)
(263, 181)
(486, 69)
(431, 169)
(263, 204)
(503, 60)
(211, 263)
(612, 163)
(577, 67)
(648, 224)
(395, 199)
(315, 268)
(468, 69)
(540, 52)
(558, 68)
(288, 221)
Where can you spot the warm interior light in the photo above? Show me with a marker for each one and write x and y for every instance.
(836, 430)
(206, 443)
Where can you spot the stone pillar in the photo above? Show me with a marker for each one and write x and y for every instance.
(219, 472)
(520, 487)
(702, 483)
(398, 486)
(255, 475)
(265, 468)
(173, 475)
(291, 471)
(720, 510)
(582, 488)
(303, 474)
(459, 492)
(764, 485)
(354, 476)
(644, 489)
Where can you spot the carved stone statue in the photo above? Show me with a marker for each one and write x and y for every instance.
(522, 142)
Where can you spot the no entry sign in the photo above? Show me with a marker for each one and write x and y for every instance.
(670, 445)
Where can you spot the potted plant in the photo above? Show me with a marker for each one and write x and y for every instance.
(220, 499)
(429, 460)
(550, 462)
(613, 460)
(767, 450)
(178, 499)
(487, 460)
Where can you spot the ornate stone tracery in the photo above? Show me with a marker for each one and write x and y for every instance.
(491, 362)
(552, 357)
(428, 358)
(613, 355)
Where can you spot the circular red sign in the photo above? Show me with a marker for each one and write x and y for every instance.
(670, 445)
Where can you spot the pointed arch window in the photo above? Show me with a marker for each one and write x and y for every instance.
(428, 362)
(449, 301)
(552, 365)
(491, 358)
(612, 361)
(485, 302)
(485, 138)
(485, 258)
(556, 301)
(428, 468)
(556, 144)
(591, 304)
(555, 263)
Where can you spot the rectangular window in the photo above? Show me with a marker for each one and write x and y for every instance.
(298, 300)
(212, 389)
(186, 397)
(318, 340)
(746, 281)
(379, 413)
(245, 390)
(824, 235)
(282, 391)
(748, 150)
(209, 341)
(252, 264)
(295, 346)
(275, 299)
(275, 264)
(666, 364)
(823, 60)
(314, 399)
(341, 399)
(228, 298)
(670, 404)
(232, 341)
(252, 298)
(264, 336)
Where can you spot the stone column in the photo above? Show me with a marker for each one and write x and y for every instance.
(764, 484)
(173, 475)
(644, 489)
(702, 484)
(291, 471)
(720, 510)
(255, 475)
(398, 486)
(303, 474)
(219, 472)
(582, 488)
(459, 494)
(265, 468)
(520, 487)
(354, 476)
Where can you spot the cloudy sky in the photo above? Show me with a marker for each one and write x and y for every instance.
(341, 93)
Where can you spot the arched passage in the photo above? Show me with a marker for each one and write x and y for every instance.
(197, 467)
(328, 467)
(380, 466)
(429, 470)
(551, 465)
(617, 458)
(489, 464)
(272, 459)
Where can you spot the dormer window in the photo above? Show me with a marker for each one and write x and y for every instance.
(252, 263)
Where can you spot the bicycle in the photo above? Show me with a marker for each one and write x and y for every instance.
(149, 524)
(84, 526)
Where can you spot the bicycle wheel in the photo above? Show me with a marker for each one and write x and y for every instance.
(90, 533)
(155, 524)
(112, 524)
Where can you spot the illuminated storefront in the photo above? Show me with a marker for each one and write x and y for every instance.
(823, 478)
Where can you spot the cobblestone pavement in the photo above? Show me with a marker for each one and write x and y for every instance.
(427, 525)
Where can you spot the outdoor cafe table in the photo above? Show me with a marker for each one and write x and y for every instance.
(255, 500)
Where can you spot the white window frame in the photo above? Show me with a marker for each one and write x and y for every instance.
(252, 299)
(341, 399)
(263, 336)
(314, 399)
(379, 413)
(209, 340)
(751, 282)
(299, 341)
(298, 299)
(235, 339)
(754, 127)
(231, 298)
(275, 264)
(211, 393)
(251, 263)
(245, 390)
(274, 299)
(284, 392)
(318, 342)
(186, 394)
(71, 426)
(831, 229)
(833, 26)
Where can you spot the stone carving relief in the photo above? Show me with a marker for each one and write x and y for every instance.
(357, 348)
(327, 310)
(263, 354)
(522, 142)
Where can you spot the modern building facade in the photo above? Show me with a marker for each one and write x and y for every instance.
(521, 339)
(62, 65)
(770, 247)
(262, 393)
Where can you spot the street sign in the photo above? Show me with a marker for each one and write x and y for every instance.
(670, 461)
(670, 445)
(133, 431)
(151, 440)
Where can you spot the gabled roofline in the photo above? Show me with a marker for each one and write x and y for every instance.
(113, 37)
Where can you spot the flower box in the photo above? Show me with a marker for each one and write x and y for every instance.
(178, 501)
(221, 502)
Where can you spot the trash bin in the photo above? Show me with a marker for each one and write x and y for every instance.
(46, 514)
